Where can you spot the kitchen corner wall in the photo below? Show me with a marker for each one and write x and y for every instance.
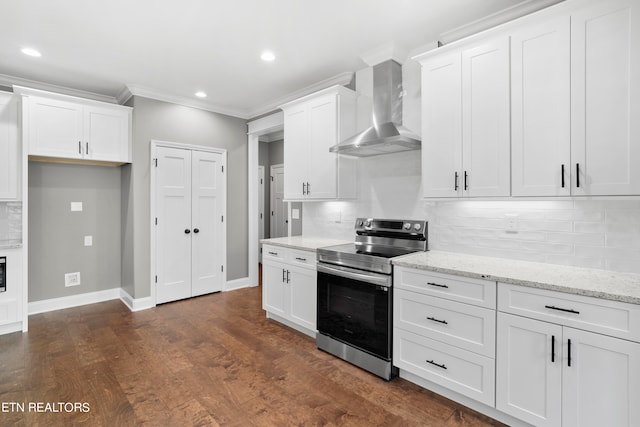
(163, 121)
(596, 233)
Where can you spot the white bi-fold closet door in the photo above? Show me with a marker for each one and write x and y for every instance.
(190, 206)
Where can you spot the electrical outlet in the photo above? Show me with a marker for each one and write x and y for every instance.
(76, 206)
(511, 223)
(72, 279)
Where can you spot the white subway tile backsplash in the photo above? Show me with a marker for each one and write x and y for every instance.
(601, 233)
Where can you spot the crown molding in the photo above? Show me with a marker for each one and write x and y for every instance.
(384, 53)
(495, 19)
(146, 92)
(341, 79)
(10, 81)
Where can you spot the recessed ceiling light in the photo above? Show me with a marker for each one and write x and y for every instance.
(267, 56)
(31, 52)
(201, 94)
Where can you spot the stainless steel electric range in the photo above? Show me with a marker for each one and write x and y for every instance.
(355, 298)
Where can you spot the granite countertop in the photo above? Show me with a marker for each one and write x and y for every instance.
(303, 243)
(624, 287)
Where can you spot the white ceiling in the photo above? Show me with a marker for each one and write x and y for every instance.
(173, 48)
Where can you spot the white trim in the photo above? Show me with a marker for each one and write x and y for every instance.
(265, 125)
(7, 80)
(342, 79)
(11, 327)
(73, 301)
(240, 283)
(257, 128)
(147, 92)
(136, 304)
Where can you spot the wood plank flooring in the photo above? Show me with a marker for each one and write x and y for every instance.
(207, 361)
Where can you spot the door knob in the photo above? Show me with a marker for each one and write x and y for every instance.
(196, 230)
(187, 231)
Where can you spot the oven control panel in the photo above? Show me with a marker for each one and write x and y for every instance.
(401, 226)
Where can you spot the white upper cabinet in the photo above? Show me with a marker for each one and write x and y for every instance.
(74, 130)
(312, 125)
(540, 109)
(485, 119)
(442, 125)
(9, 158)
(465, 108)
(605, 92)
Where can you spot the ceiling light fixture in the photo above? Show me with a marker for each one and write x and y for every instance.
(31, 52)
(268, 56)
(201, 94)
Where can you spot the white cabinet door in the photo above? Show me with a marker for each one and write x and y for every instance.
(9, 158)
(54, 128)
(303, 297)
(601, 387)
(106, 133)
(529, 370)
(207, 202)
(485, 119)
(173, 250)
(442, 126)
(296, 152)
(323, 133)
(274, 287)
(605, 91)
(540, 109)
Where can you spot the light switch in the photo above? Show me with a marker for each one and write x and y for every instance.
(88, 240)
(295, 213)
(76, 206)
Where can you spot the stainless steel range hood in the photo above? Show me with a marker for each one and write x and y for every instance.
(386, 135)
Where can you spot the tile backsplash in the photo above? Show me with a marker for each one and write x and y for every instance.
(10, 223)
(596, 233)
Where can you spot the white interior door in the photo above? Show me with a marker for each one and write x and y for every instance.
(173, 232)
(207, 210)
(260, 210)
(278, 206)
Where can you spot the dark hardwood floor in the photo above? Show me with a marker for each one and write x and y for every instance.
(212, 360)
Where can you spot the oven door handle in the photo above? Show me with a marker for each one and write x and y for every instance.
(349, 273)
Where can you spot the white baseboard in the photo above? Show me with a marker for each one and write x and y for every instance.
(240, 283)
(135, 304)
(73, 301)
(11, 327)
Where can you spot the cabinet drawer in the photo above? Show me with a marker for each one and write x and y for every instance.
(459, 370)
(462, 325)
(305, 258)
(463, 289)
(274, 252)
(607, 317)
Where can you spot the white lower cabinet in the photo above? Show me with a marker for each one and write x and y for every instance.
(550, 374)
(289, 287)
(12, 298)
(441, 339)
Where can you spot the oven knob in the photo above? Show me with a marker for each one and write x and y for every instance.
(360, 222)
(368, 223)
(417, 227)
(407, 226)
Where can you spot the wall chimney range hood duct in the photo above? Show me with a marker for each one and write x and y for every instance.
(386, 135)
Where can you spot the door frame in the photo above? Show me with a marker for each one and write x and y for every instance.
(272, 200)
(256, 128)
(261, 213)
(153, 208)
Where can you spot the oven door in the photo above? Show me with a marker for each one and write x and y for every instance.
(354, 307)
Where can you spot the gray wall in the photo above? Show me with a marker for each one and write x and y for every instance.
(272, 153)
(56, 235)
(157, 120)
